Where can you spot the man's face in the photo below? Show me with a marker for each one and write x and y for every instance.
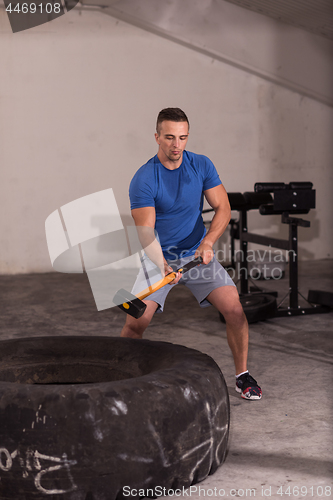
(172, 139)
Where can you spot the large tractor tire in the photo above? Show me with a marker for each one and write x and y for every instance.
(101, 418)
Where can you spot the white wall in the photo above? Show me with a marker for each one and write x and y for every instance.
(79, 98)
(292, 57)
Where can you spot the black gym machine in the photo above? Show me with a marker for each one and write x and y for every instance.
(287, 200)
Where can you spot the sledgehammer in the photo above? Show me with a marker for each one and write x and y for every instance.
(133, 305)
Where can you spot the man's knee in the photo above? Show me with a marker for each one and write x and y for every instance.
(134, 328)
(132, 331)
(233, 312)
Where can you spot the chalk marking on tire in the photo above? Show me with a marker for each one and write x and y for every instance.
(165, 462)
(125, 457)
(32, 462)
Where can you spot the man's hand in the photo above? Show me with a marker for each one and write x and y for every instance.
(205, 251)
(168, 269)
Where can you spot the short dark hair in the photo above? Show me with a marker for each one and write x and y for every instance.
(172, 115)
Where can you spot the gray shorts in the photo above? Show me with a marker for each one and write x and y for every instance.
(201, 280)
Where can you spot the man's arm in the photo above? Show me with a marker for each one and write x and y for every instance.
(218, 199)
(144, 219)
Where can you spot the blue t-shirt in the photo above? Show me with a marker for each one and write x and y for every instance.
(177, 196)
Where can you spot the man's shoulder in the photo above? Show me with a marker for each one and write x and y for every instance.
(143, 186)
(197, 160)
(204, 169)
(146, 169)
(196, 157)
(150, 164)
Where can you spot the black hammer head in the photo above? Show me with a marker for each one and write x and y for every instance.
(129, 303)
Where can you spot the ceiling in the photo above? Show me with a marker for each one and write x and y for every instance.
(315, 16)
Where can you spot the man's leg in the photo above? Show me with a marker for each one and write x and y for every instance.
(226, 301)
(134, 328)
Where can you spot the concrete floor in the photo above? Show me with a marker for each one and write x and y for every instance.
(283, 441)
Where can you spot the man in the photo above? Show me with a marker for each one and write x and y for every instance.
(167, 195)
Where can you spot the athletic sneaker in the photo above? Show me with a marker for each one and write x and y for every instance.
(248, 387)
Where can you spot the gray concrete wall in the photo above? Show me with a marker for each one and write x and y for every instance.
(284, 54)
(79, 98)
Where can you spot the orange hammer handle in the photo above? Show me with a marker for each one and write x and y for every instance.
(156, 286)
(168, 278)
